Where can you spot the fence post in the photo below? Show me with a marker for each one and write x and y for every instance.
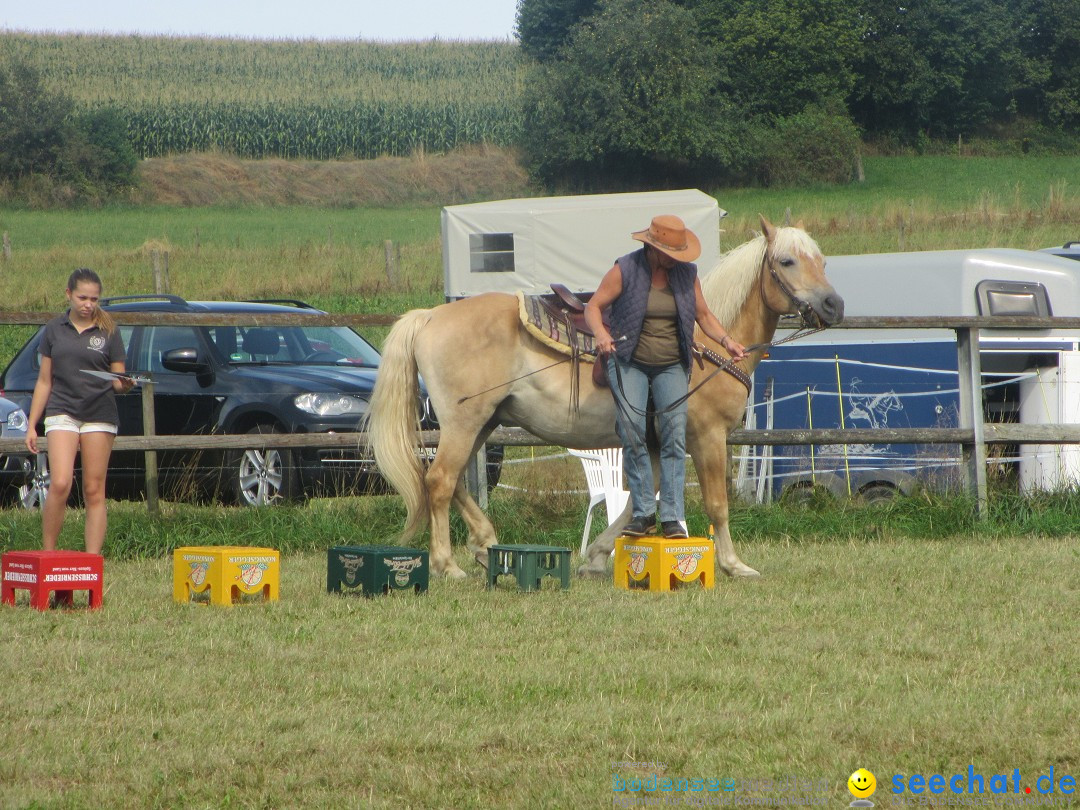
(969, 365)
(476, 477)
(7, 247)
(149, 431)
(391, 262)
(161, 271)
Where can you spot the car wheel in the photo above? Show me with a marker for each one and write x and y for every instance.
(878, 494)
(806, 495)
(32, 493)
(262, 477)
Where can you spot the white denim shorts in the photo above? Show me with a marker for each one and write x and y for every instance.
(64, 422)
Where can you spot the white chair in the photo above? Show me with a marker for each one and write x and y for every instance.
(603, 472)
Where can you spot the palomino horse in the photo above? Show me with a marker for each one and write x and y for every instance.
(479, 345)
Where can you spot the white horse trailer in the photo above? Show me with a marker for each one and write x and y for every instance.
(527, 244)
(900, 378)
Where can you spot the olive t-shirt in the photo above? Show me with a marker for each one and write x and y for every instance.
(80, 396)
(659, 341)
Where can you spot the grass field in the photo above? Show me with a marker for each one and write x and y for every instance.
(335, 257)
(899, 656)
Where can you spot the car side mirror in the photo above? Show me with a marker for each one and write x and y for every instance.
(183, 360)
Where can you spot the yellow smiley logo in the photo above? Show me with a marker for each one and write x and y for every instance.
(862, 784)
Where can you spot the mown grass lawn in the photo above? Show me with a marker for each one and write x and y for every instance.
(901, 656)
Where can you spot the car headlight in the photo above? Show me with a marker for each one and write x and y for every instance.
(16, 420)
(330, 404)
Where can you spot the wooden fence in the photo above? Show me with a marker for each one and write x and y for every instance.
(972, 434)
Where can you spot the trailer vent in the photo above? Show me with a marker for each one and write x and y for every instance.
(1012, 298)
(491, 252)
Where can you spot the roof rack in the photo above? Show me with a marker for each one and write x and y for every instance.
(172, 299)
(284, 301)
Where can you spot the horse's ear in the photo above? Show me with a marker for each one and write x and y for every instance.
(800, 225)
(767, 228)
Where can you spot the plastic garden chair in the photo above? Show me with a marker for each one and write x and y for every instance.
(603, 472)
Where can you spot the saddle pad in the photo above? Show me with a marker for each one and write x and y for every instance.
(554, 329)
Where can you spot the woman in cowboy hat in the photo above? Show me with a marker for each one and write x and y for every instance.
(655, 299)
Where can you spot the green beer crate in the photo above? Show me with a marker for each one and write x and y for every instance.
(529, 564)
(376, 569)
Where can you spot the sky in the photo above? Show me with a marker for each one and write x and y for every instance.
(269, 19)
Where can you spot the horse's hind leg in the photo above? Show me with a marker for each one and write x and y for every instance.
(443, 478)
(481, 530)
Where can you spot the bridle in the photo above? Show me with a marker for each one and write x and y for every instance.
(810, 319)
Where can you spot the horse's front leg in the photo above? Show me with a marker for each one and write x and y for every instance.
(481, 530)
(599, 550)
(710, 460)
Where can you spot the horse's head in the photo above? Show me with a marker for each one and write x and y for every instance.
(793, 277)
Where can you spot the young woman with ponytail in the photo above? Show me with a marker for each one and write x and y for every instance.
(79, 409)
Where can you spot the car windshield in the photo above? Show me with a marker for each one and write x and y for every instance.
(295, 345)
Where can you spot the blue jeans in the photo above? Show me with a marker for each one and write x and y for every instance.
(668, 383)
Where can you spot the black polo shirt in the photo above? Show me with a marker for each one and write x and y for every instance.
(80, 396)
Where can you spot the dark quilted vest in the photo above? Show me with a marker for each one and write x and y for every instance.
(628, 310)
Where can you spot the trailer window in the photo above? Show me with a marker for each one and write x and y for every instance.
(491, 252)
(1012, 298)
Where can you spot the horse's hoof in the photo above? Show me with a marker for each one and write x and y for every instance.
(589, 572)
(741, 570)
(451, 571)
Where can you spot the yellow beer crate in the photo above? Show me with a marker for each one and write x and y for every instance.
(658, 564)
(226, 574)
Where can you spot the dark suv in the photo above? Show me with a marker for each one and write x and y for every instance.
(238, 379)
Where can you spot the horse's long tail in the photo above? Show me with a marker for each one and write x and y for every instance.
(392, 420)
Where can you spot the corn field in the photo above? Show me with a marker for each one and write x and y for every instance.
(286, 98)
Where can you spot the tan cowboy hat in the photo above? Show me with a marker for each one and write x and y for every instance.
(669, 234)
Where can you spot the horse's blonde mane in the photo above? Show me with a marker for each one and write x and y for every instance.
(728, 284)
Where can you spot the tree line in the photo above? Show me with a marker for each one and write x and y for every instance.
(783, 91)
